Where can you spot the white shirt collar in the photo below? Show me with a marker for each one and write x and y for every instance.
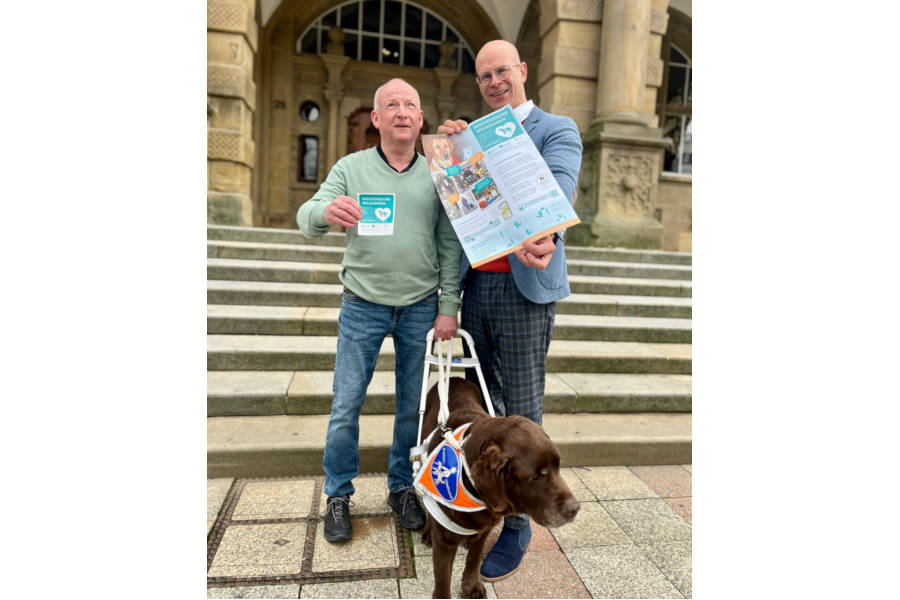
(523, 110)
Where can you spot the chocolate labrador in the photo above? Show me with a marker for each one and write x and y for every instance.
(514, 469)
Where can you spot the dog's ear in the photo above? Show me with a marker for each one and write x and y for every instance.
(489, 473)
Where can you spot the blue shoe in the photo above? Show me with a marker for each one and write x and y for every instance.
(506, 555)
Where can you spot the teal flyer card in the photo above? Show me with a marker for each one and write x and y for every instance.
(378, 212)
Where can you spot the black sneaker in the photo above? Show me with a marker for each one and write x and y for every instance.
(337, 519)
(409, 510)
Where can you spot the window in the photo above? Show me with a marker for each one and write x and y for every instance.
(308, 164)
(674, 109)
(388, 31)
(309, 111)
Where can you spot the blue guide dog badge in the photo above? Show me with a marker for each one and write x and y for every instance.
(378, 212)
(441, 477)
(444, 473)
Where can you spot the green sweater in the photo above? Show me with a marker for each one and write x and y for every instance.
(422, 255)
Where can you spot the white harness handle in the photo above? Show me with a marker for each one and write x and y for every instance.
(444, 389)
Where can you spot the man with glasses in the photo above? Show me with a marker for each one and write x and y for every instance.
(509, 304)
(398, 256)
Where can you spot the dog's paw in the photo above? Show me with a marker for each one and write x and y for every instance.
(477, 591)
(426, 539)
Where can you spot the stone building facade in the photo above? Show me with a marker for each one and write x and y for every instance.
(290, 86)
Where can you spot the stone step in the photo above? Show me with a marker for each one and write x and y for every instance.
(624, 269)
(623, 255)
(287, 320)
(317, 353)
(227, 233)
(292, 445)
(334, 254)
(337, 238)
(259, 393)
(329, 295)
(230, 269)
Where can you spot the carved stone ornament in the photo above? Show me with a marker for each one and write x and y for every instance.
(629, 182)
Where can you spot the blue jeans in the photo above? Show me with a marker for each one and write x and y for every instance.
(362, 327)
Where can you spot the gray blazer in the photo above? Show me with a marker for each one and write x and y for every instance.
(558, 141)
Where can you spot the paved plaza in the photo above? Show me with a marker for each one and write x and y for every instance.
(631, 539)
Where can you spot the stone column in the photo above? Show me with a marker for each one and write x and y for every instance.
(335, 61)
(623, 147)
(570, 43)
(446, 74)
(231, 42)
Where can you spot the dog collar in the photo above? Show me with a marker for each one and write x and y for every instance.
(441, 478)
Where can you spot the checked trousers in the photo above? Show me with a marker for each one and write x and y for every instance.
(511, 336)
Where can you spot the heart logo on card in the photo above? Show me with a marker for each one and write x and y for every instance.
(506, 130)
(382, 213)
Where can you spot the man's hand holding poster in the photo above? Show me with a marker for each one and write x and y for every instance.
(496, 187)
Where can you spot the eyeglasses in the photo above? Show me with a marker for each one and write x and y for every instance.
(501, 73)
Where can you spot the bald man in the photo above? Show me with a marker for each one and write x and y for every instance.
(395, 264)
(509, 304)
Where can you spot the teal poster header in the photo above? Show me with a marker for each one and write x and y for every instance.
(499, 126)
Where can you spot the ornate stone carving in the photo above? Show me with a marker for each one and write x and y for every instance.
(228, 15)
(336, 41)
(580, 62)
(447, 50)
(582, 10)
(225, 80)
(654, 72)
(629, 182)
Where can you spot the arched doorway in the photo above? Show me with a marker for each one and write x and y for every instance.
(298, 66)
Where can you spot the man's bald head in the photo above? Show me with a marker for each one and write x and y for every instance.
(392, 85)
(499, 46)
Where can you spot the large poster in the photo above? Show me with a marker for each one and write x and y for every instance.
(496, 187)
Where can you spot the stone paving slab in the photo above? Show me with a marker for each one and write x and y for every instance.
(255, 591)
(674, 560)
(648, 520)
(592, 528)
(369, 588)
(216, 490)
(542, 574)
(614, 483)
(681, 506)
(374, 546)
(668, 481)
(581, 491)
(275, 500)
(260, 550)
(621, 571)
(422, 585)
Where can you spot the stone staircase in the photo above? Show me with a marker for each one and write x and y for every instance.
(618, 371)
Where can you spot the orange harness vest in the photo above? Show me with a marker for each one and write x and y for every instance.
(441, 478)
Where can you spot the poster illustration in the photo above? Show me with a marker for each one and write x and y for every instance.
(495, 187)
